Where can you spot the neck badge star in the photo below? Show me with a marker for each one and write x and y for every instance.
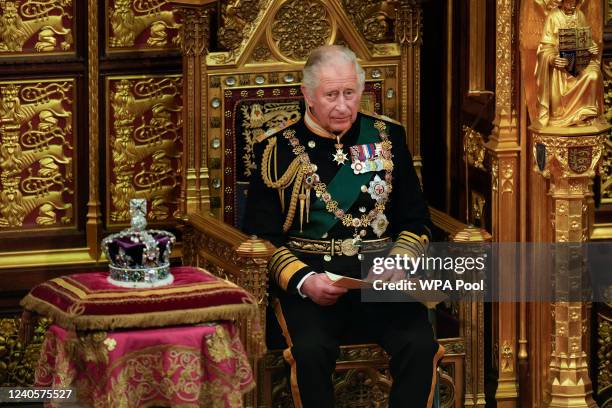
(340, 157)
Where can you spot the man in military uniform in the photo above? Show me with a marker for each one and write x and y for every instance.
(327, 187)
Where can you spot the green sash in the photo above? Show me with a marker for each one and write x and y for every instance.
(345, 187)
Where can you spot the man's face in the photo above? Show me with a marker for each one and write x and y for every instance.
(335, 101)
(568, 6)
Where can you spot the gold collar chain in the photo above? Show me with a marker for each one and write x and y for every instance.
(312, 180)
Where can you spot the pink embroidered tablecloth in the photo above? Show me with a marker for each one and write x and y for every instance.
(197, 366)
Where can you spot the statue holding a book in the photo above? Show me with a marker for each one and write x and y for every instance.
(568, 75)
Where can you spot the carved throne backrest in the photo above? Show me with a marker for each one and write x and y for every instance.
(253, 111)
(239, 114)
(255, 84)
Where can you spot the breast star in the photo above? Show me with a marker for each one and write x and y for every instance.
(340, 157)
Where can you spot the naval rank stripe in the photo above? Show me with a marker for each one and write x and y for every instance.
(409, 243)
(283, 265)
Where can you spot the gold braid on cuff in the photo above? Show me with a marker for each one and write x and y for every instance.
(409, 243)
(283, 265)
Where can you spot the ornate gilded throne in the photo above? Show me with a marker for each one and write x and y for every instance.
(245, 81)
(94, 111)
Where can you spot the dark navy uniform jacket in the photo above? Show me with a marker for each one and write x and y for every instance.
(406, 209)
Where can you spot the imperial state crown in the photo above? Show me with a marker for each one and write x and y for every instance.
(139, 258)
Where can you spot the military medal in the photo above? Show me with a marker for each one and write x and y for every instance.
(379, 224)
(368, 157)
(339, 157)
(378, 189)
(358, 167)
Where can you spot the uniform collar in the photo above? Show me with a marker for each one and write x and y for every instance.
(313, 125)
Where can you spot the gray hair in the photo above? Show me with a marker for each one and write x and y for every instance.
(324, 56)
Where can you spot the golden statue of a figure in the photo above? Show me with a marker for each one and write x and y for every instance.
(567, 89)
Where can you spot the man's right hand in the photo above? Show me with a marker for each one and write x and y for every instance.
(319, 289)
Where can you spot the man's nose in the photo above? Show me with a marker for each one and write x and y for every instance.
(341, 106)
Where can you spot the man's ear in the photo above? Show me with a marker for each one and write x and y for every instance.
(306, 94)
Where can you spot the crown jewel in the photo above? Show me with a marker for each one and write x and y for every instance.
(139, 257)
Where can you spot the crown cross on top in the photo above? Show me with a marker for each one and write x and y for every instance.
(138, 214)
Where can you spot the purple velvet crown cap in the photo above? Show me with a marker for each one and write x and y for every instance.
(130, 251)
(138, 256)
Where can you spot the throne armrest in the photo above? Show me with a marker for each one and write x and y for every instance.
(230, 254)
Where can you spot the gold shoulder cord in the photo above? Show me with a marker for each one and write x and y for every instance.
(294, 174)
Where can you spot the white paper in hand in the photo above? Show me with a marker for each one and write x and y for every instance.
(346, 282)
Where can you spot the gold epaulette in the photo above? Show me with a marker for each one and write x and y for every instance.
(274, 130)
(381, 117)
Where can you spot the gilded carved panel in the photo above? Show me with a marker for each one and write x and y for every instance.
(608, 15)
(261, 53)
(238, 22)
(143, 144)
(37, 154)
(373, 19)
(367, 387)
(477, 205)
(36, 27)
(299, 27)
(143, 25)
(603, 371)
(239, 18)
(474, 147)
(606, 173)
(606, 163)
(18, 360)
(288, 30)
(361, 379)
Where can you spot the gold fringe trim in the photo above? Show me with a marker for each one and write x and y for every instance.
(139, 320)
